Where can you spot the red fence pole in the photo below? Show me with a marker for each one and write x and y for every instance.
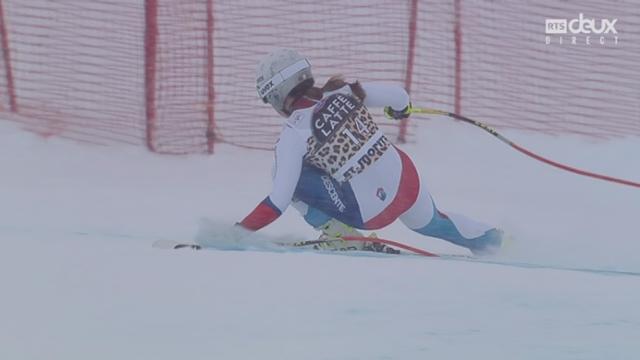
(211, 135)
(150, 47)
(411, 53)
(457, 33)
(13, 105)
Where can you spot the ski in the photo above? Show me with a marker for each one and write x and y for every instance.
(367, 244)
(338, 246)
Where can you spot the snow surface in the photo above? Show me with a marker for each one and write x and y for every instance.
(80, 279)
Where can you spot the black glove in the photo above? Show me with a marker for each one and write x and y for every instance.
(397, 114)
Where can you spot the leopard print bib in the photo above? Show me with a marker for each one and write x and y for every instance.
(345, 138)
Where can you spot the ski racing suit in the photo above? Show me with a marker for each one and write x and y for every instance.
(332, 161)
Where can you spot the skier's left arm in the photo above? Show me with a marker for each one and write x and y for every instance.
(289, 154)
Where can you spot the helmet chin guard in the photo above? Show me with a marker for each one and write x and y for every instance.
(278, 73)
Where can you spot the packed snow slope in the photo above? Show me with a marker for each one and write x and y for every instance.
(80, 279)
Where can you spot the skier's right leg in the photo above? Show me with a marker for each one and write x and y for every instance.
(330, 207)
(425, 218)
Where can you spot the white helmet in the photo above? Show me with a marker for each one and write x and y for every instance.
(280, 72)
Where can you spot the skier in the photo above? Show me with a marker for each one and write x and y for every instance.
(337, 167)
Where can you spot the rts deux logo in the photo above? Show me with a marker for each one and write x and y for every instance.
(581, 30)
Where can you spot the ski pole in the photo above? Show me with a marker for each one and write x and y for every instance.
(493, 132)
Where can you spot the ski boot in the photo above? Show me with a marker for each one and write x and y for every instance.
(331, 237)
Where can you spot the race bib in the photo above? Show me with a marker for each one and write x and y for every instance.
(345, 138)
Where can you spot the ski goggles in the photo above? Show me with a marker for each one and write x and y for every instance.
(281, 76)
